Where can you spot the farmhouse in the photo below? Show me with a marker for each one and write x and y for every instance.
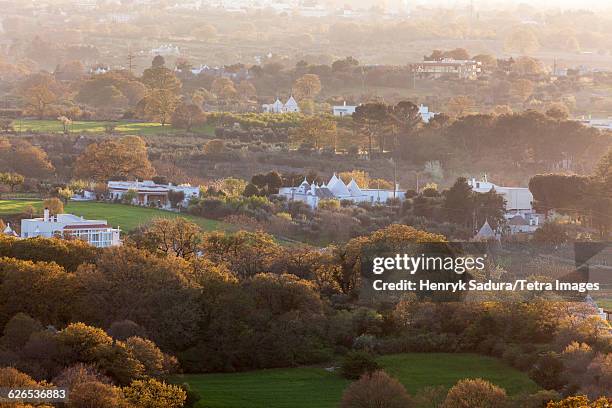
(278, 107)
(312, 194)
(520, 215)
(343, 110)
(96, 232)
(518, 199)
(461, 69)
(148, 192)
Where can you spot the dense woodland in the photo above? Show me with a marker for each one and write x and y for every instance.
(152, 307)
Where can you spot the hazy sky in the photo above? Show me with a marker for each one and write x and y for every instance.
(571, 4)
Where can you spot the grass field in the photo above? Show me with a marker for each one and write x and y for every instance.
(605, 303)
(314, 387)
(126, 216)
(133, 128)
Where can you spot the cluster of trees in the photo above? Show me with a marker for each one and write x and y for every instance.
(584, 198)
(20, 157)
(224, 301)
(124, 157)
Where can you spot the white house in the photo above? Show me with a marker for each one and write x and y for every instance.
(148, 191)
(165, 49)
(426, 115)
(96, 232)
(312, 194)
(344, 110)
(99, 69)
(518, 199)
(520, 215)
(463, 69)
(603, 124)
(278, 107)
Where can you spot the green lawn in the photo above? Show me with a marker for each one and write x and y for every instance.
(133, 128)
(314, 387)
(605, 303)
(126, 216)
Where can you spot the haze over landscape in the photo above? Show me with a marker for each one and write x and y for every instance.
(305, 203)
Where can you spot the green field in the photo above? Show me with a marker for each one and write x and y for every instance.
(126, 216)
(605, 303)
(314, 387)
(123, 127)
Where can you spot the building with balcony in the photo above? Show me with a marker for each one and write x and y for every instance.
(96, 232)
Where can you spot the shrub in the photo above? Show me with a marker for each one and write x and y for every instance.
(475, 393)
(154, 394)
(376, 389)
(96, 394)
(357, 363)
(18, 330)
(124, 329)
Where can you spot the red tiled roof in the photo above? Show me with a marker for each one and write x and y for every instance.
(140, 190)
(84, 226)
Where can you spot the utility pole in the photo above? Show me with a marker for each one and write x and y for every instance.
(130, 59)
(394, 177)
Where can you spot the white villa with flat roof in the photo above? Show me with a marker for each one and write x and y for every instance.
(148, 191)
(343, 110)
(96, 232)
(312, 194)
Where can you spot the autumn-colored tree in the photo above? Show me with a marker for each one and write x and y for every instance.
(39, 91)
(11, 179)
(54, 205)
(35, 288)
(187, 115)
(580, 401)
(91, 345)
(214, 146)
(13, 378)
(18, 330)
(317, 130)
(488, 61)
(361, 177)
(377, 389)
(112, 89)
(522, 88)
(88, 394)
(162, 93)
(459, 105)
(129, 283)
(246, 90)
(85, 341)
(224, 88)
(161, 78)
(245, 253)
(527, 66)
(21, 157)
(154, 394)
(159, 105)
(343, 271)
(147, 352)
(523, 40)
(307, 86)
(67, 253)
(170, 236)
(125, 157)
(475, 393)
